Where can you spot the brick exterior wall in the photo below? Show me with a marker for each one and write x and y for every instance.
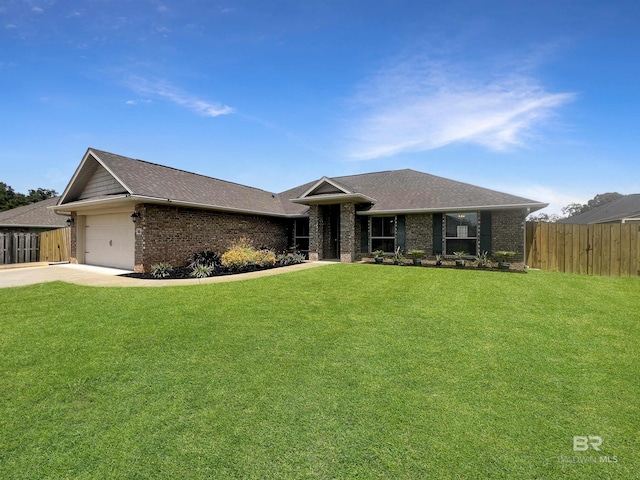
(173, 234)
(419, 232)
(73, 254)
(358, 239)
(347, 232)
(315, 233)
(507, 231)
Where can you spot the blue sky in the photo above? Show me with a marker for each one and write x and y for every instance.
(535, 98)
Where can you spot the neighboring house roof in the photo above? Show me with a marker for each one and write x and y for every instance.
(34, 215)
(105, 177)
(625, 208)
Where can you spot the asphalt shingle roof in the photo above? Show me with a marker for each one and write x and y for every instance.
(412, 190)
(625, 207)
(33, 215)
(393, 190)
(157, 181)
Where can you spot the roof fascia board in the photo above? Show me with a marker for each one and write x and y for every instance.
(537, 206)
(74, 177)
(325, 180)
(168, 201)
(88, 202)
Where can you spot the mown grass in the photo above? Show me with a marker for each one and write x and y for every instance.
(344, 371)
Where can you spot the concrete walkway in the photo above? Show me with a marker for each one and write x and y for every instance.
(29, 274)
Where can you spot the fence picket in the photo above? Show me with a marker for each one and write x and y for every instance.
(55, 245)
(604, 249)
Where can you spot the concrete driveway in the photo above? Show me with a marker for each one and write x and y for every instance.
(29, 274)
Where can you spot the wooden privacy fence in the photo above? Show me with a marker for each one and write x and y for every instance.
(18, 247)
(55, 245)
(601, 249)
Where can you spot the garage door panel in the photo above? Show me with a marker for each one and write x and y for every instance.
(110, 241)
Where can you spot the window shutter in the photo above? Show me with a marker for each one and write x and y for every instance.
(437, 234)
(401, 234)
(485, 232)
(364, 234)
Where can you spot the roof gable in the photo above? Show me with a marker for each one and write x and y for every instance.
(149, 182)
(92, 179)
(325, 186)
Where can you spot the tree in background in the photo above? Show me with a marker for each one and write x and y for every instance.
(544, 217)
(600, 199)
(9, 198)
(40, 194)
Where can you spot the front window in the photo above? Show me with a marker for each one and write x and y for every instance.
(461, 232)
(301, 234)
(383, 234)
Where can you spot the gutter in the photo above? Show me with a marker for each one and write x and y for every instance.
(319, 199)
(167, 201)
(530, 206)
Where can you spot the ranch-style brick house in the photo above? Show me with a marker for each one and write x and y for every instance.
(131, 214)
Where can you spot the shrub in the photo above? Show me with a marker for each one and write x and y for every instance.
(240, 255)
(265, 258)
(285, 259)
(201, 271)
(237, 258)
(206, 258)
(161, 270)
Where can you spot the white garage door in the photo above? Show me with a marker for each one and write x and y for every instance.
(110, 240)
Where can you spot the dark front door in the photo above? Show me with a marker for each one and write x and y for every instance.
(331, 232)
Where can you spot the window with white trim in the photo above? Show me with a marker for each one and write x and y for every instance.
(383, 234)
(461, 232)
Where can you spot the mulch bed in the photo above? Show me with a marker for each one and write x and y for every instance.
(515, 267)
(180, 273)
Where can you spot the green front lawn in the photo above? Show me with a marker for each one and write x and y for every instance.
(343, 371)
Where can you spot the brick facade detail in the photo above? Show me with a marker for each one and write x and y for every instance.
(173, 234)
(347, 232)
(419, 232)
(73, 254)
(316, 225)
(507, 230)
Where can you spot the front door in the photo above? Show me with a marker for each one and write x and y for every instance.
(331, 232)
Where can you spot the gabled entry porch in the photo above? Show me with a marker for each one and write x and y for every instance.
(332, 232)
(332, 220)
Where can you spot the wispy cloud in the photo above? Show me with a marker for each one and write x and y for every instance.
(166, 91)
(421, 104)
